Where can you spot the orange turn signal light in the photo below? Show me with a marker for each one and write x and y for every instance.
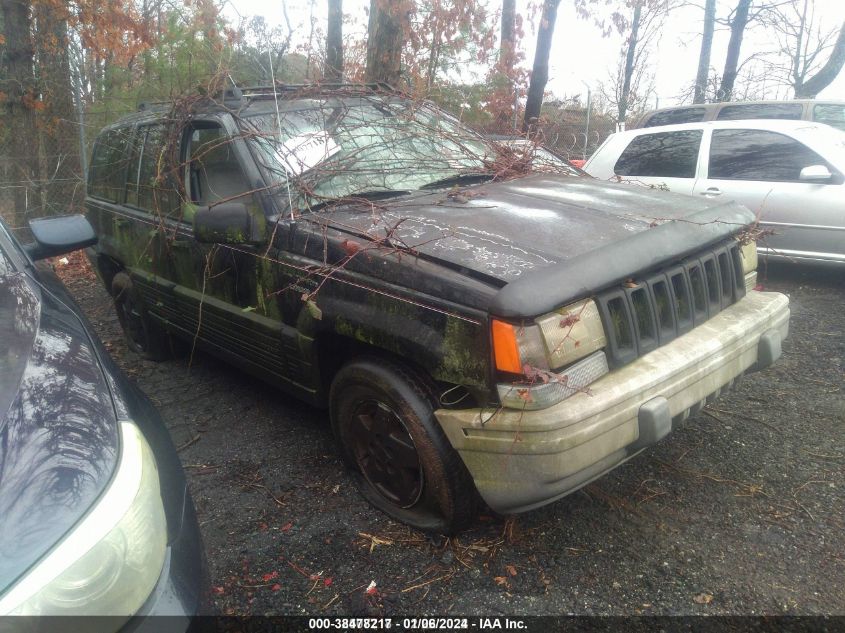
(505, 348)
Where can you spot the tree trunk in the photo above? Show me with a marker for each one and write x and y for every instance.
(629, 65)
(433, 55)
(507, 44)
(64, 189)
(827, 73)
(334, 42)
(540, 71)
(20, 140)
(385, 37)
(738, 24)
(704, 56)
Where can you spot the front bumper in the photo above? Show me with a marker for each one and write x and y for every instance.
(521, 460)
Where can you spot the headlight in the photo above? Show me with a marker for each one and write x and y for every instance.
(111, 561)
(572, 333)
(749, 257)
(566, 341)
(749, 265)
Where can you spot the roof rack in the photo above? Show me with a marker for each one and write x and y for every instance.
(270, 90)
(237, 96)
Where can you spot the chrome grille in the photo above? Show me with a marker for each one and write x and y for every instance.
(666, 303)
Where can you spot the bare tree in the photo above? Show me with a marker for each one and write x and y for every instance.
(816, 53)
(540, 70)
(632, 84)
(706, 48)
(334, 42)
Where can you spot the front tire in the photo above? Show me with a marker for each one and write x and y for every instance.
(143, 336)
(383, 418)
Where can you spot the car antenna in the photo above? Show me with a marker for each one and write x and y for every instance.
(279, 123)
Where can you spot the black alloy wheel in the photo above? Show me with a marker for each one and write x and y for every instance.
(385, 453)
(382, 415)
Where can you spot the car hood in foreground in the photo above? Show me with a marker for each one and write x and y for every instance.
(502, 230)
(58, 432)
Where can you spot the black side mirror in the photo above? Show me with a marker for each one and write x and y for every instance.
(227, 223)
(59, 235)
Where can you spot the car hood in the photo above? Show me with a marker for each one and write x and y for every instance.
(58, 432)
(502, 230)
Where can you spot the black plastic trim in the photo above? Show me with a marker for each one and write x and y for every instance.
(645, 341)
(617, 356)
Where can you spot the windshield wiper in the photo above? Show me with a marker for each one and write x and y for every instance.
(459, 179)
(374, 194)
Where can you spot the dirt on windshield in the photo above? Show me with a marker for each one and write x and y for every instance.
(738, 512)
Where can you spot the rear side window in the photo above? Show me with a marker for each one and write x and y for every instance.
(663, 154)
(108, 165)
(759, 155)
(679, 115)
(761, 111)
(830, 114)
(156, 188)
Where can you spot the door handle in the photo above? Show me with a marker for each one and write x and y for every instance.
(711, 192)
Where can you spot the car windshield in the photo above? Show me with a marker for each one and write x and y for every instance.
(333, 149)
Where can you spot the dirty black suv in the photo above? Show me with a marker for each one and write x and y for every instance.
(474, 328)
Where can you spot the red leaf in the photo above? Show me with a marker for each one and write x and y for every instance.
(350, 246)
(269, 577)
(286, 527)
(570, 320)
(218, 590)
(328, 582)
(276, 587)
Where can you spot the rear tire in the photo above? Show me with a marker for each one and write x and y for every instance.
(383, 418)
(143, 335)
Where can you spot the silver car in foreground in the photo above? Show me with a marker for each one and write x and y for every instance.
(790, 173)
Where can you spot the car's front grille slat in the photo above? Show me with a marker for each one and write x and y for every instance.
(670, 302)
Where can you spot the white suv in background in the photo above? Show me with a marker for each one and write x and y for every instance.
(790, 173)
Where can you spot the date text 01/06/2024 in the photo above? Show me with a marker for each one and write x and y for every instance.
(412, 624)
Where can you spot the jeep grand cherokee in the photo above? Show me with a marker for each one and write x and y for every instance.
(471, 332)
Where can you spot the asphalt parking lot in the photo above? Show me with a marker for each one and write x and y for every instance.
(738, 512)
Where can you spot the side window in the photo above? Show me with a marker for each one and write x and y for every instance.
(157, 189)
(108, 165)
(134, 167)
(761, 111)
(759, 155)
(830, 114)
(214, 174)
(671, 117)
(664, 154)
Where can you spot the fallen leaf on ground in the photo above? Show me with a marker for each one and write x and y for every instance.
(703, 598)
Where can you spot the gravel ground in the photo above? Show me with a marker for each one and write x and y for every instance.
(738, 512)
